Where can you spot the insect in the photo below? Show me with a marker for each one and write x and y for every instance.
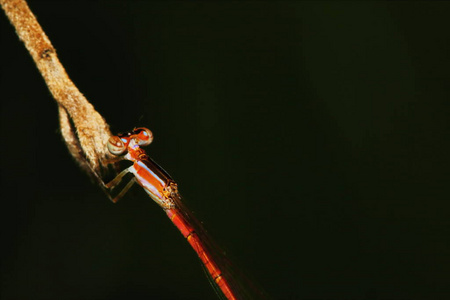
(163, 190)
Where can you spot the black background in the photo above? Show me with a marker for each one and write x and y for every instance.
(312, 139)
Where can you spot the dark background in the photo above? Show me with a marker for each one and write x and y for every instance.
(312, 139)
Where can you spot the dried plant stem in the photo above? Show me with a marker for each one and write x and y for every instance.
(87, 143)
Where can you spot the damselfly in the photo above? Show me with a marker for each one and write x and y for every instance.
(163, 190)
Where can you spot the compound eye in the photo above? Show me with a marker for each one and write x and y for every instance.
(144, 136)
(116, 145)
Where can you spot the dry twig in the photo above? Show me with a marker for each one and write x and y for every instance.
(83, 128)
